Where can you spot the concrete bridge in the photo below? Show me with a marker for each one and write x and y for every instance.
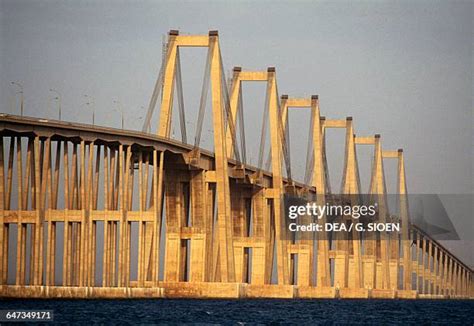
(209, 224)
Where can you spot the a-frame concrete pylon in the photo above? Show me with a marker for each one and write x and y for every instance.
(320, 182)
(262, 241)
(303, 247)
(405, 221)
(223, 236)
(276, 192)
(379, 195)
(351, 187)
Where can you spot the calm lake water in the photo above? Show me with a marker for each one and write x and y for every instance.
(240, 312)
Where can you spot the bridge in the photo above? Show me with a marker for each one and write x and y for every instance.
(209, 224)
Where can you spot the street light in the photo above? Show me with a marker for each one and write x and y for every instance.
(119, 105)
(58, 97)
(91, 102)
(21, 95)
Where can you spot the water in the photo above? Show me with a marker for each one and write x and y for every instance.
(308, 312)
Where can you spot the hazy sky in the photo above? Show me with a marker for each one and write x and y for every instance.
(403, 69)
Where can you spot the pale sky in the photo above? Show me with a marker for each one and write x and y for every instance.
(403, 69)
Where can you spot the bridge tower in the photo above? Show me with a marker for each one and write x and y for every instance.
(304, 247)
(351, 191)
(274, 194)
(223, 259)
(378, 192)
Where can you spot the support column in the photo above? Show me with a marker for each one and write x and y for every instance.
(90, 224)
(3, 226)
(49, 252)
(436, 270)
(351, 188)
(423, 265)
(445, 273)
(93, 254)
(405, 219)
(320, 183)
(20, 258)
(106, 239)
(168, 86)
(378, 189)
(450, 276)
(466, 284)
(430, 273)
(128, 205)
(456, 279)
(83, 238)
(262, 271)
(173, 225)
(141, 224)
(66, 237)
(6, 233)
(198, 222)
(53, 253)
(42, 203)
(48, 217)
(417, 260)
(224, 221)
(141, 231)
(113, 252)
(157, 206)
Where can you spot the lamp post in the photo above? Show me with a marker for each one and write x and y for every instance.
(91, 102)
(21, 95)
(119, 105)
(58, 98)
